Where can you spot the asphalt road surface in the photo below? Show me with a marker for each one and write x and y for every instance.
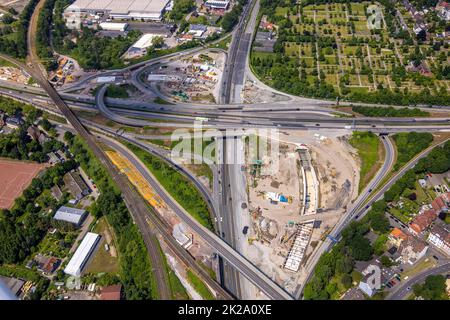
(405, 288)
(270, 288)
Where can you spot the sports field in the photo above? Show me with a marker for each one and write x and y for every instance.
(15, 176)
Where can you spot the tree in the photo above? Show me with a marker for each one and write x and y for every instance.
(344, 265)
(158, 42)
(386, 261)
(180, 8)
(68, 137)
(434, 288)
(378, 221)
(360, 248)
(346, 280)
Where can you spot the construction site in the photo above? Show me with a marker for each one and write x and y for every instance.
(293, 206)
(14, 75)
(191, 79)
(254, 93)
(66, 72)
(185, 237)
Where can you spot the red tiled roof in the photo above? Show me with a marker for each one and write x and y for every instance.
(423, 221)
(438, 204)
(446, 197)
(397, 233)
(111, 292)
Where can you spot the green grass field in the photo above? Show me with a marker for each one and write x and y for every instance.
(368, 146)
(179, 187)
(199, 286)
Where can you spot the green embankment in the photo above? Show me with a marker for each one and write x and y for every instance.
(176, 184)
(199, 286)
(409, 144)
(370, 151)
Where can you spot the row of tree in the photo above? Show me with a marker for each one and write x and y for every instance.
(409, 144)
(437, 161)
(22, 227)
(135, 268)
(43, 35)
(230, 19)
(17, 46)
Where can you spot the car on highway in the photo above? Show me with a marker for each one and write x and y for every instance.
(245, 230)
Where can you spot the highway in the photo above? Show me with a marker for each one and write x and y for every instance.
(290, 115)
(136, 207)
(404, 289)
(134, 202)
(150, 218)
(246, 268)
(233, 75)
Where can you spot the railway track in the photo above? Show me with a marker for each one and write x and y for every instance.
(140, 212)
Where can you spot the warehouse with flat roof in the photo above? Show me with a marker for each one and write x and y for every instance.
(81, 257)
(121, 9)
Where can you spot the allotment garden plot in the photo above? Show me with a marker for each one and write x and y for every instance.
(328, 50)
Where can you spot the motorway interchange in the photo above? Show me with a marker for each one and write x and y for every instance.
(230, 113)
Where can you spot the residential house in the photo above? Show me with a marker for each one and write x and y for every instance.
(53, 158)
(14, 122)
(438, 205)
(56, 192)
(76, 185)
(443, 10)
(186, 37)
(2, 118)
(34, 132)
(422, 68)
(370, 282)
(422, 221)
(197, 30)
(396, 236)
(412, 249)
(111, 292)
(47, 265)
(440, 237)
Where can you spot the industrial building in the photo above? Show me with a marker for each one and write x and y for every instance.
(217, 4)
(197, 30)
(81, 257)
(180, 234)
(139, 48)
(71, 215)
(114, 26)
(121, 9)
